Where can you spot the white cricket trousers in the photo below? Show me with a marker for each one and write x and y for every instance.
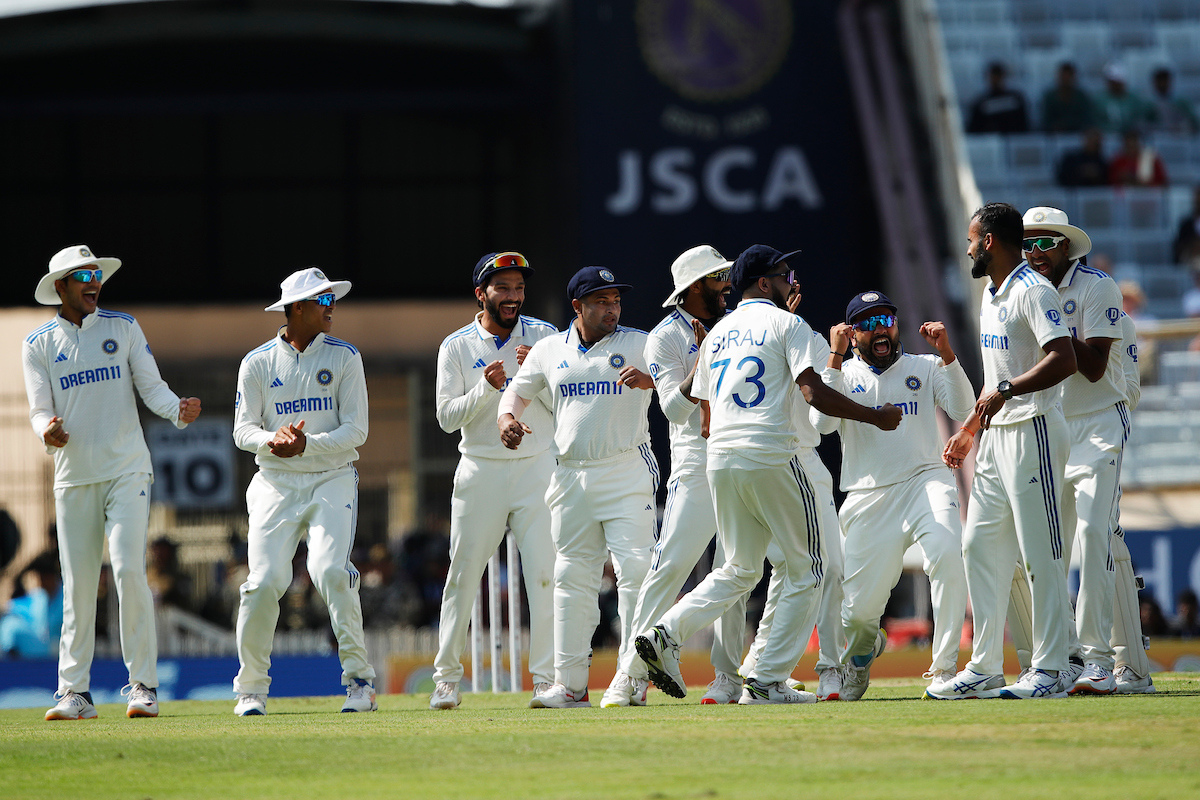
(1015, 516)
(491, 494)
(880, 524)
(831, 635)
(283, 506)
(1092, 480)
(689, 524)
(117, 510)
(597, 508)
(756, 507)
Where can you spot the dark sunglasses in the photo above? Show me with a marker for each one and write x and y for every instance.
(871, 323)
(327, 299)
(88, 275)
(791, 275)
(720, 275)
(1042, 243)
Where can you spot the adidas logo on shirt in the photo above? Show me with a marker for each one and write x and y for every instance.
(348, 506)
(61, 357)
(478, 363)
(563, 365)
(1033, 480)
(692, 349)
(858, 388)
(275, 383)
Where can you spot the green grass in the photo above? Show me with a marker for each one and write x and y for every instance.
(888, 745)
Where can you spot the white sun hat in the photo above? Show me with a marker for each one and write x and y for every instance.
(691, 266)
(306, 283)
(1051, 219)
(69, 259)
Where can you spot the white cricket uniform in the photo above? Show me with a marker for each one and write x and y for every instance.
(689, 521)
(601, 496)
(1129, 648)
(1097, 422)
(87, 375)
(898, 492)
(1014, 514)
(315, 492)
(831, 637)
(494, 488)
(747, 372)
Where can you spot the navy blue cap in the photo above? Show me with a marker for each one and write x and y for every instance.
(754, 262)
(494, 262)
(867, 300)
(593, 279)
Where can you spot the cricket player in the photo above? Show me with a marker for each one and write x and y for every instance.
(701, 280)
(1014, 511)
(753, 362)
(494, 487)
(302, 410)
(898, 491)
(595, 381)
(81, 371)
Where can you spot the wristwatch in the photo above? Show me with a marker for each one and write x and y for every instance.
(1005, 389)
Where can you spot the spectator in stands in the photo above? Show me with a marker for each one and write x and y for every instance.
(1087, 165)
(1187, 240)
(1133, 300)
(1191, 298)
(1154, 623)
(1065, 107)
(1168, 112)
(999, 109)
(1119, 109)
(168, 584)
(1187, 615)
(1136, 164)
(33, 623)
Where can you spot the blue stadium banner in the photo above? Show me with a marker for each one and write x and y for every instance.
(723, 122)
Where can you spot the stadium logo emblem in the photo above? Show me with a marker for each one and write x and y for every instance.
(84, 252)
(324, 377)
(1002, 314)
(717, 50)
(1053, 316)
(110, 346)
(616, 361)
(606, 275)
(869, 297)
(912, 382)
(1069, 306)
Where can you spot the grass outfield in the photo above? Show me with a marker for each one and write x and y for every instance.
(888, 745)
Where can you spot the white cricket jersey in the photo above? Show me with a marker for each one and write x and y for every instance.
(1016, 321)
(916, 384)
(1091, 305)
(1129, 361)
(803, 415)
(467, 402)
(670, 352)
(325, 386)
(86, 375)
(595, 418)
(747, 372)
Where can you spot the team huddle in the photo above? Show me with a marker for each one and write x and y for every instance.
(555, 446)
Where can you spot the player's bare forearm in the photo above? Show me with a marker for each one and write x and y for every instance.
(1058, 365)
(1091, 356)
(957, 448)
(835, 404)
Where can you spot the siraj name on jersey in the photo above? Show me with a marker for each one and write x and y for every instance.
(734, 337)
(90, 376)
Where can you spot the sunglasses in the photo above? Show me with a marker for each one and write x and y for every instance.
(507, 261)
(721, 274)
(791, 275)
(1042, 243)
(87, 275)
(327, 299)
(879, 320)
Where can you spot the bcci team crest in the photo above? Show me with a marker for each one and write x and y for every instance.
(1002, 314)
(912, 382)
(869, 297)
(616, 361)
(606, 275)
(324, 377)
(320, 274)
(85, 253)
(1069, 307)
(110, 346)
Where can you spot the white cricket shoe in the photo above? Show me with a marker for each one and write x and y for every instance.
(661, 654)
(72, 705)
(722, 691)
(855, 681)
(445, 695)
(1070, 674)
(937, 677)
(251, 705)
(625, 690)
(559, 696)
(967, 685)
(795, 684)
(1129, 682)
(756, 694)
(360, 696)
(542, 688)
(143, 701)
(1094, 680)
(1036, 684)
(829, 683)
